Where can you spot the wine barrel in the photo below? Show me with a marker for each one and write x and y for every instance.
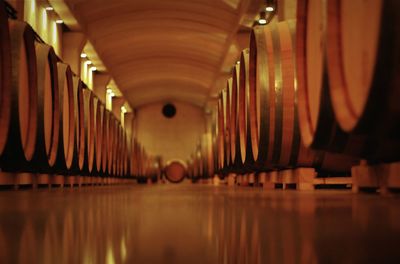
(227, 112)
(89, 124)
(236, 155)
(135, 158)
(48, 109)
(175, 171)
(105, 147)
(221, 131)
(21, 139)
(66, 147)
(79, 123)
(245, 146)
(110, 149)
(363, 67)
(98, 126)
(318, 126)
(273, 121)
(5, 77)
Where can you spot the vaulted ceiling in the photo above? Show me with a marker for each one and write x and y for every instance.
(166, 49)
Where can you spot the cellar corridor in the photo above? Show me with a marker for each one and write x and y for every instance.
(199, 131)
(196, 224)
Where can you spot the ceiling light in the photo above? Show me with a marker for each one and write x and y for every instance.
(83, 55)
(238, 62)
(49, 8)
(59, 21)
(123, 109)
(109, 90)
(88, 62)
(93, 68)
(269, 8)
(262, 20)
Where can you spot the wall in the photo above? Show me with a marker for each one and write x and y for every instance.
(174, 138)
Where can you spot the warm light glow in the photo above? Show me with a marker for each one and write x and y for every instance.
(83, 55)
(238, 62)
(269, 8)
(88, 62)
(109, 90)
(43, 32)
(112, 94)
(93, 68)
(59, 21)
(49, 8)
(262, 21)
(123, 109)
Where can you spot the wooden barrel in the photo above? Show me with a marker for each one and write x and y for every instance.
(105, 147)
(21, 140)
(5, 77)
(234, 119)
(221, 131)
(80, 122)
(273, 101)
(89, 124)
(245, 146)
(175, 171)
(111, 142)
(319, 128)
(227, 112)
(135, 158)
(66, 147)
(48, 110)
(363, 69)
(98, 126)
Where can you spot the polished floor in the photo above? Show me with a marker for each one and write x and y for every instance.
(197, 224)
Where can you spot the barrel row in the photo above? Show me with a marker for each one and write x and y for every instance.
(258, 127)
(50, 122)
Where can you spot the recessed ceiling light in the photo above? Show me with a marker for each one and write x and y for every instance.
(83, 55)
(59, 21)
(269, 8)
(49, 8)
(262, 21)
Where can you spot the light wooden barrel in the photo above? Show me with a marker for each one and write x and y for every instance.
(21, 139)
(221, 131)
(318, 126)
(364, 72)
(98, 126)
(66, 147)
(227, 134)
(236, 156)
(245, 146)
(80, 122)
(5, 77)
(175, 172)
(105, 147)
(111, 143)
(48, 108)
(89, 124)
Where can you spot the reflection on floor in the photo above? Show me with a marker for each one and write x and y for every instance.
(197, 224)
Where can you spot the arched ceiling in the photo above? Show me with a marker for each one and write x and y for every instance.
(165, 49)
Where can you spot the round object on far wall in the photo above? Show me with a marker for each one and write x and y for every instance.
(169, 110)
(175, 172)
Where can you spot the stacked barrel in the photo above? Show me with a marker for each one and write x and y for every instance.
(50, 122)
(318, 91)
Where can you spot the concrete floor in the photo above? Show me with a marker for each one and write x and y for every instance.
(197, 224)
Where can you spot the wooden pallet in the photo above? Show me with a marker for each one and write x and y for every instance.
(382, 177)
(16, 180)
(302, 179)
